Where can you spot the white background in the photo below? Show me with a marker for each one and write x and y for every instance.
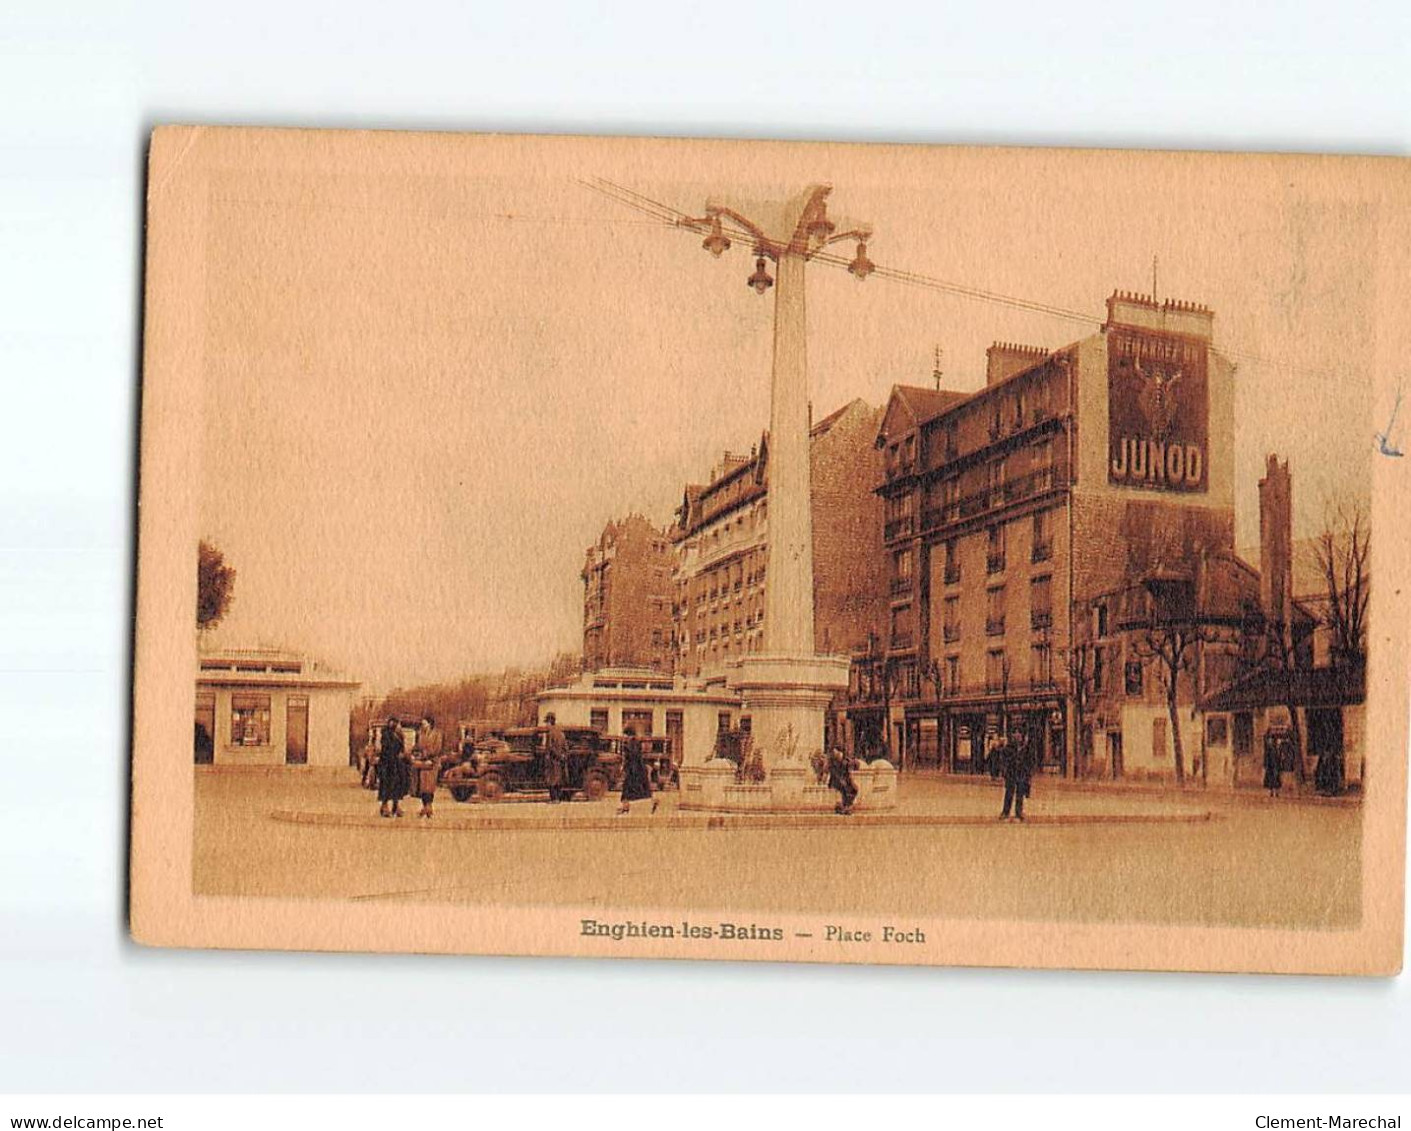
(81, 1008)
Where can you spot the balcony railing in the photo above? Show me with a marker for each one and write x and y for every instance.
(992, 498)
(1040, 619)
(901, 641)
(1013, 691)
(972, 505)
(994, 626)
(901, 586)
(994, 563)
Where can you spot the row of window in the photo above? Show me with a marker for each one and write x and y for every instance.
(1025, 403)
(996, 553)
(1040, 608)
(724, 630)
(1001, 677)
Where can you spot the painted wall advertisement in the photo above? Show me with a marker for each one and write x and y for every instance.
(1158, 411)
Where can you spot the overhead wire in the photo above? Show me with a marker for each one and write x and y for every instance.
(674, 217)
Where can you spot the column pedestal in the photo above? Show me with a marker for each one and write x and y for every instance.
(786, 698)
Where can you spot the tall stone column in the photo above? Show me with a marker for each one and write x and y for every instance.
(786, 687)
(788, 586)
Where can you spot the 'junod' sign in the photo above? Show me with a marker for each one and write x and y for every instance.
(1158, 411)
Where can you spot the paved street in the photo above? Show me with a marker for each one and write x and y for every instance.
(1133, 857)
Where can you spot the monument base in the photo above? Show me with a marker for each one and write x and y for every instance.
(785, 698)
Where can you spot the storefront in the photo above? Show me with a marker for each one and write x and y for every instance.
(967, 732)
(258, 707)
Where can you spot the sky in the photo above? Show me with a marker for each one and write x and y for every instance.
(430, 379)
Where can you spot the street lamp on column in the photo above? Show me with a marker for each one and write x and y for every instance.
(787, 235)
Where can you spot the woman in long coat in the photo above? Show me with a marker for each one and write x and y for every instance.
(393, 779)
(636, 778)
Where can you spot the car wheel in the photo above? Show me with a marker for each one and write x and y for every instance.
(595, 787)
(461, 792)
(491, 787)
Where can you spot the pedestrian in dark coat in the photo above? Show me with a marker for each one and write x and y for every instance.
(1327, 775)
(1273, 768)
(840, 778)
(1017, 768)
(555, 760)
(636, 778)
(392, 775)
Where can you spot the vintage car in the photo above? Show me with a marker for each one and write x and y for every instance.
(657, 751)
(473, 731)
(516, 761)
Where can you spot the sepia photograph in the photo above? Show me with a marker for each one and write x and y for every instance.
(827, 553)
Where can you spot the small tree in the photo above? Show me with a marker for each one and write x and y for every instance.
(215, 586)
(1174, 646)
(1281, 655)
(1080, 663)
(1006, 671)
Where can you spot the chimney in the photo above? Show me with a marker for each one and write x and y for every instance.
(1175, 316)
(1005, 359)
(1276, 541)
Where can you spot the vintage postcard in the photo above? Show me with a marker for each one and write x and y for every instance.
(829, 553)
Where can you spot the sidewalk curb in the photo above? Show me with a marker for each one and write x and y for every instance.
(723, 821)
(1250, 795)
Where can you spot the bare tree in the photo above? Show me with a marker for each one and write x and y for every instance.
(1281, 655)
(1080, 663)
(1006, 670)
(1174, 646)
(1343, 559)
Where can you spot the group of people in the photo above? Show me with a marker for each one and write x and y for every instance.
(636, 775)
(401, 771)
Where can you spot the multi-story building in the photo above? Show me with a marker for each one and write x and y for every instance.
(721, 536)
(627, 597)
(1012, 512)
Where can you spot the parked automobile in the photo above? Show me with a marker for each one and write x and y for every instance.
(476, 730)
(516, 761)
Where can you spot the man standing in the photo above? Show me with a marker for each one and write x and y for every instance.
(1018, 772)
(426, 763)
(556, 760)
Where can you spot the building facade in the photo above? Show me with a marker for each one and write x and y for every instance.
(721, 538)
(263, 707)
(627, 597)
(1013, 515)
(1295, 690)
